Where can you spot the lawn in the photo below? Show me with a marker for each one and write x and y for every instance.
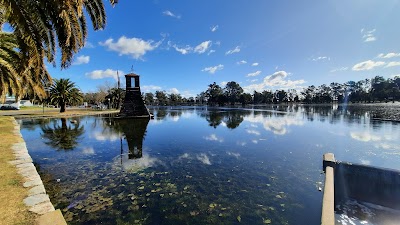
(12, 193)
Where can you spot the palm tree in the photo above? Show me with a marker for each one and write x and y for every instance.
(39, 27)
(15, 77)
(64, 92)
(64, 137)
(9, 59)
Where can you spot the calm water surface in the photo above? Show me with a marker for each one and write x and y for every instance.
(202, 166)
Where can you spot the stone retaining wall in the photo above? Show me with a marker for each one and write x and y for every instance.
(37, 201)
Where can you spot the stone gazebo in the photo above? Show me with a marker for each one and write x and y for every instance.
(133, 105)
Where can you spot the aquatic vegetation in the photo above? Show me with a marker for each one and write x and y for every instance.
(179, 177)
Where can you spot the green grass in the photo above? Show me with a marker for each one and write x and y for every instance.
(12, 193)
(31, 108)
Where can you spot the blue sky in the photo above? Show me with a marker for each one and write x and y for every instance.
(182, 46)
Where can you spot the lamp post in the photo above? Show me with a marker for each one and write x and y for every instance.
(108, 103)
(46, 89)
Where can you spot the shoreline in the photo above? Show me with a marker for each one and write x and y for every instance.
(54, 114)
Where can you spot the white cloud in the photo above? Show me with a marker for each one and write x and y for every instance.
(188, 94)
(185, 50)
(211, 51)
(223, 83)
(368, 35)
(254, 80)
(204, 159)
(391, 64)
(134, 47)
(83, 59)
(169, 13)
(213, 137)
(235, 50)
(388, 55)
(278, 80)
(150, 88)
(241, 62)
(89, 45)
(370, 38)
(213, 69)
(254, 74)
(323, 58)
(173, 91)
(255, 132)
(367, 65)
(101, 74)
(201, 48)
(254, 64)
(339, 69)
(214, 28)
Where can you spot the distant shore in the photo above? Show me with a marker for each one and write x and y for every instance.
(379, 111)
(53, 112)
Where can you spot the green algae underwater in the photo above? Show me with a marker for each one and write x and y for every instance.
(196, 165)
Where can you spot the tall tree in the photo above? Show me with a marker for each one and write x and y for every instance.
(161, 97)
(245, 98)
(149, 98)
(214, 93)
(232, 92)
(64, 92)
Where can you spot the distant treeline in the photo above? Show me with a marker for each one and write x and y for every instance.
(377, 89)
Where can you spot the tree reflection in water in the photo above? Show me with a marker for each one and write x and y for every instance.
(232, 118)
(62, 137)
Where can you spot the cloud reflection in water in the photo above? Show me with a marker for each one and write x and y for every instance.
(204, 159)
(278, 125)
(136, 165)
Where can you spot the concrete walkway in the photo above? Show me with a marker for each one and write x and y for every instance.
(37, 201)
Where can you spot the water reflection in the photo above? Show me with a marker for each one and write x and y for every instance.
(62, 136)
(134, 132)
(277, 123)
(228, 118)
(206, 165)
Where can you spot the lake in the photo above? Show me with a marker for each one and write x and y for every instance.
(199, 165)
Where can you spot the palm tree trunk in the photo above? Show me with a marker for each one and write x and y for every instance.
(62, 105)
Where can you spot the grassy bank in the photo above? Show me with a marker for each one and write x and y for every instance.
(35, 112)
(12, 193)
